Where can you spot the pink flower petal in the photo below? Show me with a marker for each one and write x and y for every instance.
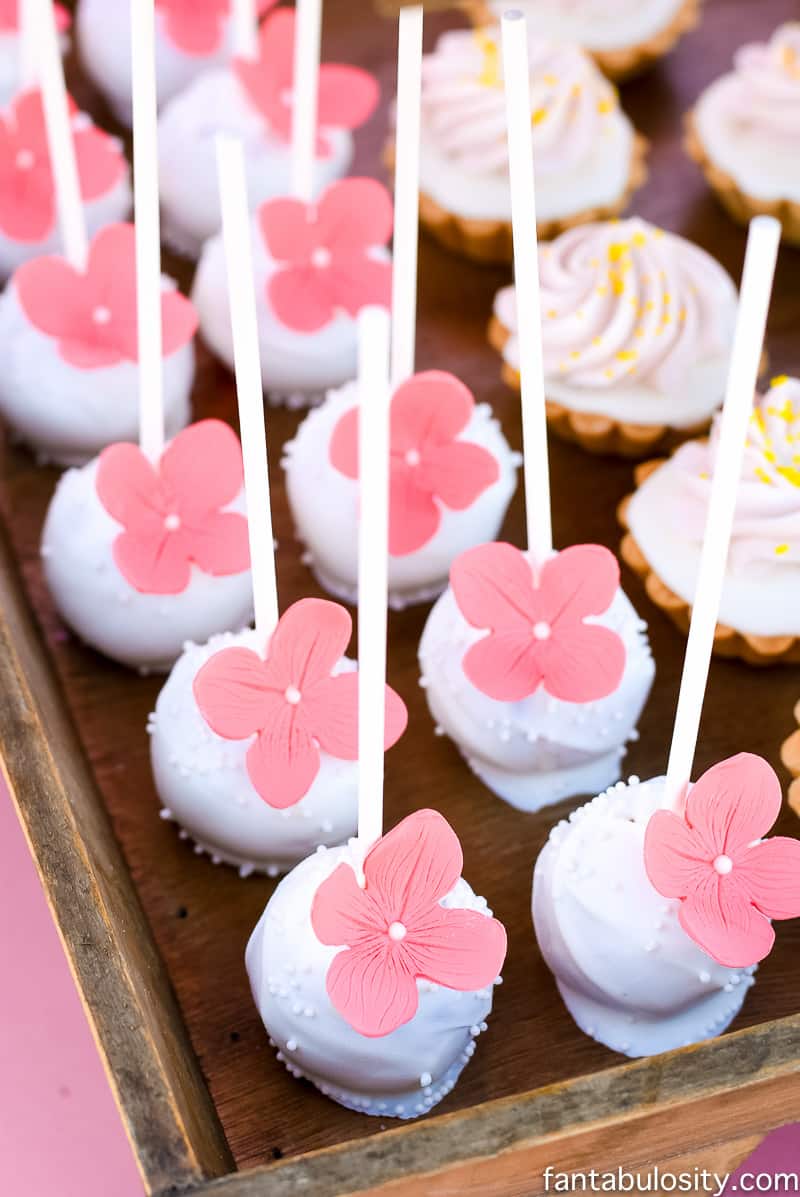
(289, 231)
(101, 164)
(458, 473)
(282, 762)
(462, 949)
(342, 913)
(354, 214)
(493, 586)
(266, 79)
(330, 714)
(413, 866)
(343, 448)
(414, 517)
(720, 918)
(771, 873)
(581, 662)
(733, 804)
(357, 282)
(674, 855)
(152, 564)
(373, 988)
(348, 96)
(46, 288)
(233, 695)
(300, 298)
(129, 489)
(203, 468)
(195, 28)
(579, 581)
(505, 666)
(308, 643)
(178, 322)
(219, 545)
(429, 410)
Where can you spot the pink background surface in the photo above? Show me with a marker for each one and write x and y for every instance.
(60, 1133)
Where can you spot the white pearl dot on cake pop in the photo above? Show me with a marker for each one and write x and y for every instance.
(542, 630)
(397, 931)
(321, 257)
(292, 695)
(25, 160)
(413, 458)
(101, 314)
(172, 522)
(723, 865)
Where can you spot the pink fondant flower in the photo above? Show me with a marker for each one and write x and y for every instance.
(197, 26)
(27, 193)
(395, 930)
(537, 630)
(9, 17)
(347, 95)
(430, 467)
(172, 512)
(323, 251)
(730, 882)
(92, 314)
(292, 702)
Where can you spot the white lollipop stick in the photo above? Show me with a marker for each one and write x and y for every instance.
(406, 193)
(247, 363)
(307, 37)
(40, 22)
(28, 49)
(148, 233)
(373, 551)
(244, 28)
(759, 269)
(516, 72)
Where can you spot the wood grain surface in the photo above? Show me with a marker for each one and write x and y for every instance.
(200, 915)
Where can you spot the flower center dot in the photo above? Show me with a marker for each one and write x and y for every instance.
(292, 695)
(287, 97)
(25, 159)
(101, 315)
(541, 630)
(413, 458)
(172, 522)
(397, 931)
(723, 865)
(321, 257)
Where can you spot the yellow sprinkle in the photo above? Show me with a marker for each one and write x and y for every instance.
(609, 373)
(791, 474)
(639, 332)
(770, 456)
(552, 314)
(538, 116)
(576, 90)
(597, 340)
(617, 284)
(779, 380)
(627, 355)
(605, 105)
(780, 549)
(490, 73)
(639, 240)
(602, 290)
(617, 251)
(576, 353)
(549, 79)
(763, 476)
(705, 475)
(667, 298)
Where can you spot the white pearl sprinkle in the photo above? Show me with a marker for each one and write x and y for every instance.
(541, 630)
(723, 865)
(397, 931)
(321, 257)
(172, 522)
(292, 695)
(101, 314)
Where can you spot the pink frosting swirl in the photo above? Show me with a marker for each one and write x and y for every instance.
(625, 300)
(764, 95)
(767, 520)
(463, 102)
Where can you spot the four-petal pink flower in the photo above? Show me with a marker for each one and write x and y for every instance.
(730, 882)
(197, 26)
(172, 512)
(347, 95)
(430, 467)
(395, 930)
(537, 630)
(27, 192)
(292, 702)
(92, 314)
(325, 253)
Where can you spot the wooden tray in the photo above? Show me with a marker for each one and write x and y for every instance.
(156, 935)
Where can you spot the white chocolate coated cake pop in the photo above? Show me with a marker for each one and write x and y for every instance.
(386, 1024)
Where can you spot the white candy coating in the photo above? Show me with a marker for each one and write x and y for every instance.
(324, 504)
(296, 367)
(202, 780)
(538, 751)
(146, 631)
(215, 102)
(67, 415)
(104, 42)
(400, 1075)
(629, 974)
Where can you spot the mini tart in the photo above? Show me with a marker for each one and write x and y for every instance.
(595, 433)
(637, 326)
(728, 642)
(589, 157)
(790, 755)
(742, 133)
(619, 62)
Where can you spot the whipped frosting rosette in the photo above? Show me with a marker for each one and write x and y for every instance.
(623, 36)
(588, 156)
(745, 132)
(637, 329)
(760, 610)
